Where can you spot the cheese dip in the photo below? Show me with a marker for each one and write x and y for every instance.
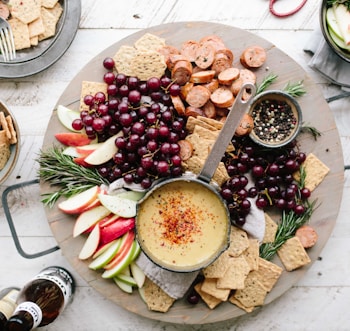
(182, 225)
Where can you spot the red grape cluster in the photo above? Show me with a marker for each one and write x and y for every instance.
(151, 128)
(272, 183)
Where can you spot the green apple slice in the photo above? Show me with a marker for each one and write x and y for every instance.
(126, 279)
(332, 23)
(137, 273)
(132, 195)
(106, 256)
(66, 116)
(123, 286)
(119, 206)
(142, 294)
(342, 15)
(338, 41)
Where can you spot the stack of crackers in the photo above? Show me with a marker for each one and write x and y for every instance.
(142, 59)
(8, 137)
(33, 21)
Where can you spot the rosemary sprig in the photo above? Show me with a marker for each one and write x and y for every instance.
(266, 82)
(62, 172)
(295, 89)
(312, 130)
(287, 227)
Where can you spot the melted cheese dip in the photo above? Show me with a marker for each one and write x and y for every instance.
(182, 225)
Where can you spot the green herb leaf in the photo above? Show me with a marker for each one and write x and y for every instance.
(295, 89)
(266, 82)
(62, 172)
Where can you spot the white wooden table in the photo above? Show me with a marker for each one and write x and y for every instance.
(320, 301)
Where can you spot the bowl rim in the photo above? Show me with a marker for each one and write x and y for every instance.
(291, 101)
(336, 49)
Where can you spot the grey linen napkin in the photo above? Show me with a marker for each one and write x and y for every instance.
(325, 61)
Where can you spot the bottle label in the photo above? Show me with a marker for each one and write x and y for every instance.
(8, 303)
(33, 309)
(61, 278)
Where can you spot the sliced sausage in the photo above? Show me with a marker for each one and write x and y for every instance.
(189, 49)
(221, 112)
(222, 97)
(178, 105)
(236, 86)
(167, 51)
(209, 110)
(193, 111)
(205, 56)
(212, 86)
(227, 76)
(213, 40)
(186, 149)
(172, 59)
(198, 96)
(182, 72)
(203, 76)
(221, 62)
(247, 76)
(185, 89)
(245, 126)
(253, 57)
(227, 52)
(307, 236)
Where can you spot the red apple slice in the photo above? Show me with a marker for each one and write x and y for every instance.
(88, 218)
(91, 244)
(87, 149)
(115, 229)
(77, 203)
(105, 152)
(66, 116)
(73, 138)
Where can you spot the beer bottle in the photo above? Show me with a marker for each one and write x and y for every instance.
(8, 297)
(42, 299)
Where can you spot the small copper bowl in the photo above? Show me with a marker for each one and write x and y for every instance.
(277, 118)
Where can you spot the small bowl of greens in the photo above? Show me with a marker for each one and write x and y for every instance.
(335, 22)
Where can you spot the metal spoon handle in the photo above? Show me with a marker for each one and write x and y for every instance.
(233, 119)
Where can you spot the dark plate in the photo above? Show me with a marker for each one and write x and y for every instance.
(10, 165)
(342, 53)
(36, 59)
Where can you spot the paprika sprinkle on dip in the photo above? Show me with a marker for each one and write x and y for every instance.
(181, 224)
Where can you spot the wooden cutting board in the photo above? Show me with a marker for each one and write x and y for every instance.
(316, 113)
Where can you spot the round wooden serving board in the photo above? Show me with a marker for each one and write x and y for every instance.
(315, 113)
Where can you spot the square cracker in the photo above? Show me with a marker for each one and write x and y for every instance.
(149, 42)
(236, 302)
(20, 32)
(218, 268)
(268, 273)
(25, 10)
(49, 22)
(56, 10)
(209, 287)
(253, 294)
(239, 242)
(315, 171)
(193, 121)
(270, 229)
(5, 126)
(251, 254)
(4, 138)
(36, 27)
(293, 254)
(156, 298)
(13, 139)
(90, 88)
(49, 3)
(235, 275)
(211, 301)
